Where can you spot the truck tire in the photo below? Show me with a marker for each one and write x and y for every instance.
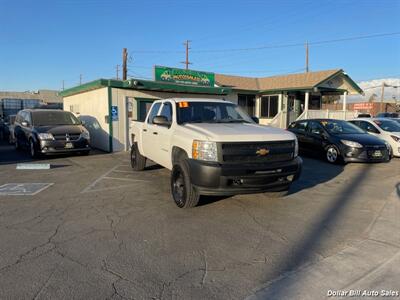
(182, 190)
(138, 161)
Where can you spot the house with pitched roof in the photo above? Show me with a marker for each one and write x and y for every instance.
(279, 100)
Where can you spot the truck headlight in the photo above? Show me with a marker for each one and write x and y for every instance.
(85, 135)
(203, 150)
(296, 148)
(45, 136)
(351, 144)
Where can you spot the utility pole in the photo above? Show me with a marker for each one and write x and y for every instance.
(80, 79)
(382, 95)
(63, 85)
(186, 62)
(307, 57)
(117, 67)
(124, 63)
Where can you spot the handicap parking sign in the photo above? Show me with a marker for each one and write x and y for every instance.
(114, 113)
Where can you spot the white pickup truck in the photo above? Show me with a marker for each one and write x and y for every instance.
(213, 148)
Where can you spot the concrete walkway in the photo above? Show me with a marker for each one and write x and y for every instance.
(366, 269)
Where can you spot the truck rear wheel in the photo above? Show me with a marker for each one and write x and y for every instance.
(183, 192)
(138, 161)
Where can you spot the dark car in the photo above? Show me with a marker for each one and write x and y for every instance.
(50, 132)
(387, 115)
(364, 115)
(339, 141)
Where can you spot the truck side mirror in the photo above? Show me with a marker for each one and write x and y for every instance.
(25, 123)
(161, 121)
(255, 119)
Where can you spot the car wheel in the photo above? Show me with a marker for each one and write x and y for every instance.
(138, 161)
(332, 154)
(183, 192)
(32, 149)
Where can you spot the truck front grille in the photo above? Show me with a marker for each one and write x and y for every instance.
(257, 152)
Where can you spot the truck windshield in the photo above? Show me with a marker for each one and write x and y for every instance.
(48, 118)
(210, 112)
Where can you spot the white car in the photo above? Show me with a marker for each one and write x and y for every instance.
(384, 128)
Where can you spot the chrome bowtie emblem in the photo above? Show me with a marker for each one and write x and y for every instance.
(262, 152)
(67, 137)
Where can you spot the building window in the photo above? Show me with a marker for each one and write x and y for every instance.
(269, 106)
(247, 103)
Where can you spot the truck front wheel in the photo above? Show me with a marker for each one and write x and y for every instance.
(138, 161)
(183, 192)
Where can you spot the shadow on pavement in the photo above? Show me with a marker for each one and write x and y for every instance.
(307, 246)
(315, 172)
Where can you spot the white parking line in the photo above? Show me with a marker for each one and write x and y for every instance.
(105, 176)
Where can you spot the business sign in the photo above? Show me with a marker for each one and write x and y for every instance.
(182, 76)
(363, 106)
(114, 113)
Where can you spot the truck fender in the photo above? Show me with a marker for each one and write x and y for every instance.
(178, 154)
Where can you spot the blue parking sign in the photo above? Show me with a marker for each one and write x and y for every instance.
(114, 113)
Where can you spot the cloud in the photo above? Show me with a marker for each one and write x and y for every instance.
(375, 87)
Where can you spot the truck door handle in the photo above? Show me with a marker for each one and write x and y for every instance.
(155, 132)
(144, 130)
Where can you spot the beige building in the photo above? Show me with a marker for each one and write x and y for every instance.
(107, 106)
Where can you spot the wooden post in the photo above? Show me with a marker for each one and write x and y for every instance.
(306, 103)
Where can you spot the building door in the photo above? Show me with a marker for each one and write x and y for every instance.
(130, 102)
(247, 103)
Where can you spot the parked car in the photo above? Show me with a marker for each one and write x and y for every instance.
(214, 148)
(50, 132)
(363, 115)
(339, 141)
(387, 115)
(383, 128)
(396, 119)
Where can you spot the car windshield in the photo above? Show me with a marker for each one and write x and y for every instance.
(340, 127)
(48, 118)
(210, 112)
(388, 125)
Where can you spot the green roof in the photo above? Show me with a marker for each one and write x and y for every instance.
(139, 84)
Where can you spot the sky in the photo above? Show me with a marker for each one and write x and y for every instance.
(43, 42)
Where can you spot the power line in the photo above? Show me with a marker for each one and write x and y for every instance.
(272, 46)
(299, 44)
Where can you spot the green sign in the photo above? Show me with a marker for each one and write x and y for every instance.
(182, 76)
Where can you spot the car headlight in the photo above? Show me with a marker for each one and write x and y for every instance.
(85, 135)
(351, 144)
(45, 136)
(203, 150)
(396, 138)
(296, 147)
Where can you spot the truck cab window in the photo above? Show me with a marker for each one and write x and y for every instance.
(153, 112)
(166, 111)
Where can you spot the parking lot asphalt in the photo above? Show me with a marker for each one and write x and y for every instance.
(102, 231)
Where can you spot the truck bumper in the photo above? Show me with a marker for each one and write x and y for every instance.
(232, 179)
